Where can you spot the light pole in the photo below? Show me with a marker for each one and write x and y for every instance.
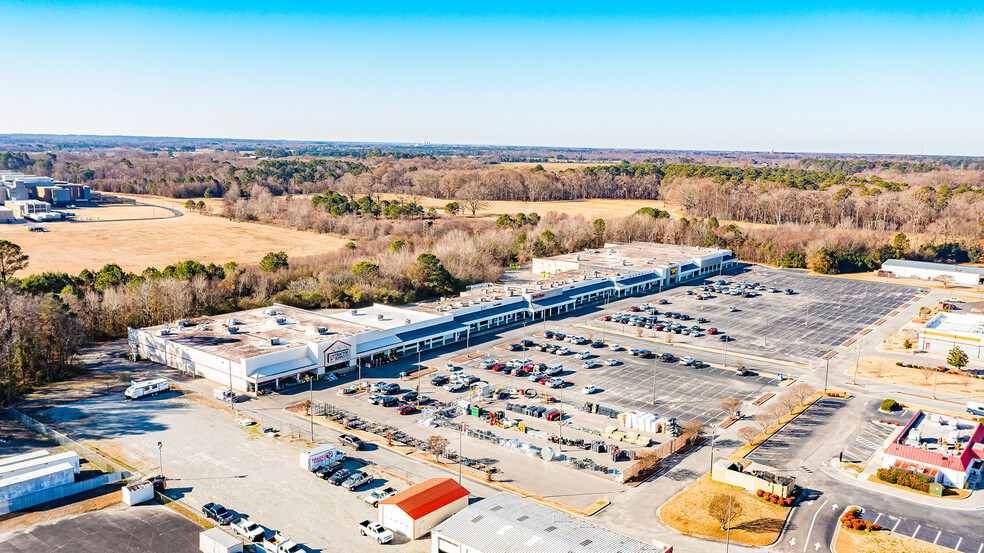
(655, 359)
(857, 366)
(160, 453)
(727, 543)
(726, 352)
(461, 431)
(825, 372)
(311, 404)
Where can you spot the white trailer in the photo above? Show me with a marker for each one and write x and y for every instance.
(141, 388)
(321, 456)
(214, 540)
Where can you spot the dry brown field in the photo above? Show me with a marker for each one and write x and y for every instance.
(591, 209)
(141, 236)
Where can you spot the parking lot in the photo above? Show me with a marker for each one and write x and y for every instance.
(821, 313)
(870, 436)
(786, 449)
(934, 529)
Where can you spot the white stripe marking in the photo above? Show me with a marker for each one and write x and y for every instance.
(900, 520)
(807, 541)
(957, 547)
(877, 518)
(937, 536)
(917, 531)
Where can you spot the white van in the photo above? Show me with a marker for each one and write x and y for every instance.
(141, 388)
(975, 408)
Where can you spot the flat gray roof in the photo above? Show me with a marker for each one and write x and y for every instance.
(932, 266)
(505, 523)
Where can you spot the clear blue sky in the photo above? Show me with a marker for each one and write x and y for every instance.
(905, 78)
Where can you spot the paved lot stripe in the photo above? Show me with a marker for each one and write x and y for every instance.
(879, 322)
(900, 520)
(917, 531)
(893, 313)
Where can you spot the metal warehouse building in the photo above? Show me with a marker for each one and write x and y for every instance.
(273, 347)
(505, 523)
(923, 270)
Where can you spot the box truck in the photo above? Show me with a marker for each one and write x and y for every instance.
(321, 456)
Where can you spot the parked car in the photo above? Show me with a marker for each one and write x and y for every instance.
(452, 367)
(548, 334)
(789, 291)
(218, 513)
(686, 361)
(724, 338)
(339, 477)
(440, 380)
(695, 333)
(589, 364)
(634, 351)
(662, 302)
(614, 347)
(611, 362)
(712, 331)
(389, 401)
(589, 390)
(666, 357)
(732, 309)
(702, 320)
(390, 388)
(583, 354)
(247, 529)
(563, 351)
(356, 480)
(374, 399)
(455, 386)
(698, 364)
(559, 336)
(598, 344)
(554, 370)
(533, 377)
(515, 347)
(488, 363)
(352, 441)
(645, 354)
(555, 382)
(742, 371)
(409, 397)
(406, 409)
(378, 495)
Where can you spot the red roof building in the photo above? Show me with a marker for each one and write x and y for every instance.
(947, 447)
(414, 511)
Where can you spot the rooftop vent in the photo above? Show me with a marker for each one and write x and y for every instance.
(355, 311)
(183, 323)
(379, 316)
(406, 321)
(577, 257)
(281, 320)
(478, 518)
(274, 341)
(233, 329)
(231, 321)
(271, 311)
(322, 330)
(522, 518)
(549, 528)
(164, 332)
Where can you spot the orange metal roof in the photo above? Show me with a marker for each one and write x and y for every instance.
(427, 497)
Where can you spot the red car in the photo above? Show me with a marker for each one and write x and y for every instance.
(406, 409)
(520, 372)
(712, 330)
(606, 318)
(497, 367)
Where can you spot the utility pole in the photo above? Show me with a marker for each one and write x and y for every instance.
(311, 403)
(726, 352)
(825, 372)
(160, 453)
(418, 378)
(655, 359)
(461, 431)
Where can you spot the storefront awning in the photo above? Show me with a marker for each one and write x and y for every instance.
(282, 370)
(377, 345)
(636, 280)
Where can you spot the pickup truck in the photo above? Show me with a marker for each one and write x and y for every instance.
(279, 544)
(248, 529)
(217, 512)
(376, 531)
(375, 497)
(356, 480)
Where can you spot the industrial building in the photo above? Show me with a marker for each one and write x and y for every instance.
(31, 197)
(269, 348)
(22, 475)
(944, 448)
(923, 270)
(505, 523)
(944, 330)
(413, 512)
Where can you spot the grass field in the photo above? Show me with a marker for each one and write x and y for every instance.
(760, 523)
(589, 208)
(880, 368)
(141, 236)
(548, 165)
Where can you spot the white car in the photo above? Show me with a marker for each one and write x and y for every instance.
(554, 370)
(455, 386)
(695, 333)
(583, 354)
(515, 363)
(589, 390)
(686, 361)
(488, 363)
(533, 377)
(732, 309)
(248, 529)
(589, 365)
(245, 422)
(611, 362)
(614, 347)
(555, 382)
(563, 351)
(452, 367)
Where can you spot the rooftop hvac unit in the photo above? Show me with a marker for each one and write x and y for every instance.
(379, 316)
(621, 260)
(164, 332)
(611, 250)
(271, 311)
(274, 341)
(322, 330)
(406, 321)
(355, 311)
(231, 321)
(281, 320)
(183, 323)
(577, 257)
(233, 329)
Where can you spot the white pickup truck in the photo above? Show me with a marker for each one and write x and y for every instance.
(279, 544)
(376, 531)
(375, 497)
(248, 529)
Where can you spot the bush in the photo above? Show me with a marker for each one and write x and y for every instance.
(889, 405)
(902, 478)
(760, 493)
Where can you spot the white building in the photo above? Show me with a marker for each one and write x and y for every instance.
(415, 511)
(505, 523)
(944, 448)
(277, 346)
(944, 330)
(923, 270)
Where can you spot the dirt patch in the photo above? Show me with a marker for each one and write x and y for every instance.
(760, 523)
(882, 541)
(880, 368)
(94, 500)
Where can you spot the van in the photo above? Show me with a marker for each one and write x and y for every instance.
(224, 394)
(975, 408)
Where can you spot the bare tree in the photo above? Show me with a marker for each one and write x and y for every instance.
(473, 197)
(724, 510)
(801, 391)
(748, 434)
(730, 405)
(691, 429)
(764, 421)
(778, 409)
(945, 280)
(437, 444)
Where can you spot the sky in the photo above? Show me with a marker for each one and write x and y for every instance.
(900, 77)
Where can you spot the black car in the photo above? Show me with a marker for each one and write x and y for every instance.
(440, 380)
(339, 477)
(217, 512)
(645, 354)
(527, 342)
(635, 351)
(548, 334)
(789, 291)
(543, 347)
(389, 401)
(662, 302)
(559, 336)
(598, 344)
(515, 347)
(328, 471)
(702, 320)
(667, 357)
(724, 338)
(409, 397)
(684, 317)
(351, 441)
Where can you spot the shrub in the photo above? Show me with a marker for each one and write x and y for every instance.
(760, 493)
(889, 405)
(902, 478)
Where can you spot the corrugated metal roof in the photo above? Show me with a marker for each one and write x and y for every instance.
(505, 523)
(427, 497)
(889, 263)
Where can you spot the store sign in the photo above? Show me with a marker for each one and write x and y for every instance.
(536, 296)
(338, 353)
(673, 271)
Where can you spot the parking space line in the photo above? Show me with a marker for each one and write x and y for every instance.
(876, 518)
(900, 520)
(959, 541)
(980, 548)
(937, 536)
(917, 531)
